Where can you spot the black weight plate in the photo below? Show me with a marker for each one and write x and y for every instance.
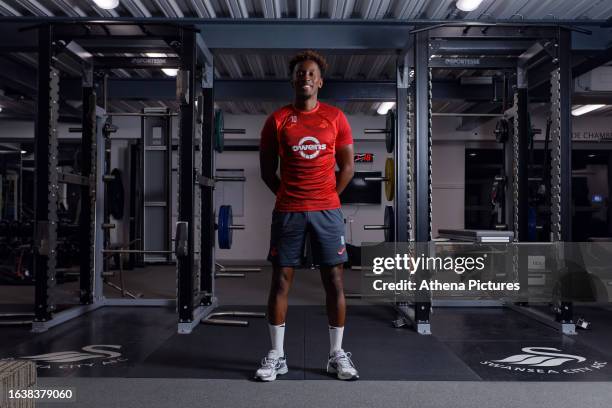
(390, 134)
(389, 224)
(219, 124)
(502, 130)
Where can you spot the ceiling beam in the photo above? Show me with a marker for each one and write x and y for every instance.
(335, 38)
(339, 36)
(278, 90)
(592, 98)
(18, 77)
(22, 80)
(591, 62)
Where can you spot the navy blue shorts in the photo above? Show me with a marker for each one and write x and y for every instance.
(288, 233)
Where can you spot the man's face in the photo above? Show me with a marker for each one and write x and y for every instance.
(306, 79)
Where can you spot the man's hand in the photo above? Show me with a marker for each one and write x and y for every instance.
(268, 164)
(346, 163)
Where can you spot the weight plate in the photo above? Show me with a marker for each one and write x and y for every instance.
(390, 128)
(219, 125)
(389, 224)
(390, 176)
(224, 231)
(502, 131)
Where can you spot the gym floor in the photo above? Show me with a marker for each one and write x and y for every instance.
(130, 350)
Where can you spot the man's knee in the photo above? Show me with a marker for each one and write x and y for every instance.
(281, 282)
(335, 281)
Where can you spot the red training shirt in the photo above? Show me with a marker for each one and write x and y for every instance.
(306, 142)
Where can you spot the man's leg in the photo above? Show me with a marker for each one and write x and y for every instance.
(329, 250)
(275, 363)
(328, 240)
(282, 277)
(339, 362)
(286, 241)
(333, 282)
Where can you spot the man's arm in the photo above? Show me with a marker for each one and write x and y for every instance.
(268, 164)
(346, 164)
(268, 155)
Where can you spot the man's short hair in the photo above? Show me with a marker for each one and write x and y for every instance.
(308, 55)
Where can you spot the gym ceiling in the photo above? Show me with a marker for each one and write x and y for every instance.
(373, 66)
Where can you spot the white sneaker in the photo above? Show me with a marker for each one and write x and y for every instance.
(340, 363)
(271, 366)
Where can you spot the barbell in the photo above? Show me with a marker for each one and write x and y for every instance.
(219, 127)
(220, 131)
(224, 226)
(388, 178)
(388, 226)
(388, 131)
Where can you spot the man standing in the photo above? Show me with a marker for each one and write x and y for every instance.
(310, 138)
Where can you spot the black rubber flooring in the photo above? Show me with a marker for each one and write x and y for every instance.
(380, 351)
(133, 333)
(599, 336)
(468, 344)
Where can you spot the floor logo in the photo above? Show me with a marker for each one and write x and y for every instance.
(545, 360)
(89, 356)
(309, 147)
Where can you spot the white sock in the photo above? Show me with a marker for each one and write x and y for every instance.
(277, 338)
(335, 338)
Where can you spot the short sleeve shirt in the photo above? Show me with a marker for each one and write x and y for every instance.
(306, 142)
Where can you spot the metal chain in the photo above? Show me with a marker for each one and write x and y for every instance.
(53, 186)
(515, 188)
(429, 150)
(197, 205)
(555, 141)
(515, 170)
(93, 177)
(410, 194)
(409, 160)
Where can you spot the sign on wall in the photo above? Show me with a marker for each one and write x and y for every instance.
(592, 136)
(364, 157)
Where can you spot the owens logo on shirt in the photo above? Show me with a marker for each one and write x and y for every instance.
(309, 147)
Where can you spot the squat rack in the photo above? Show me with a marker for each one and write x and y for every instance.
(439, 46)
(195, 293)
